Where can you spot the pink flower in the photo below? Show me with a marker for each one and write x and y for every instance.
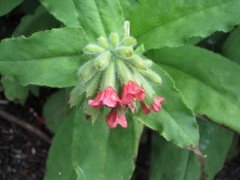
(114, 118)
(145, 108)
(127, 98)
(107, 97)
(156, 105)
(131, 91)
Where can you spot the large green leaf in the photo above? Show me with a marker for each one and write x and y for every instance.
(93, 151)
(232, 45)
(209, 82)
(96, 17)
(7, 5)
(40, 20)
(54, 61)
(56, 109)
(171, 23)
(175, 122)
(215, 142)
(63, 10)
(127, 6)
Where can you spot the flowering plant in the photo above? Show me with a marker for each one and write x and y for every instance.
(127, 70)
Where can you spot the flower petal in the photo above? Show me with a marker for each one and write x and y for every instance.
(111, 119)
(145, 108)
(156, 106)
(122, 120)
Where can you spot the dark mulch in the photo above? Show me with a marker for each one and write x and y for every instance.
(22, 154)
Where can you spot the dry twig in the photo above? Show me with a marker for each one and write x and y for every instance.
(25, 126)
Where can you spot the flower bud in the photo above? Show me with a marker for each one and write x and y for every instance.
(139, 62)
(140, 50)
(109, 77)
(92, 49)
(93, 85)
(102, 60)
(103, 42)
(151, 75)
(124, 52)
(124, 72)
(76, 95)
(129, 41)
(114, 39)
(86, 71)
(148, 63)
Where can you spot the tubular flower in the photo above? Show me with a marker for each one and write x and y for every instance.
(156, 105)
(114, 118)
(107, 97)
(145, 108)
(131, 91)
(116, 67)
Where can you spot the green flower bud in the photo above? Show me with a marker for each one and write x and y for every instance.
(151, 75)
(139, 62)
(140, 50)
(129, 41)
(109, 77)
(114, 39)
(76, 95)
(86, 71)
(147, 87)
(102, 60)
(92, 86)
(148, 63)
(124, 52)
(124, 72)
(103, 42)
(93, 49)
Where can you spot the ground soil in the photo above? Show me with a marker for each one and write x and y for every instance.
(22, 154)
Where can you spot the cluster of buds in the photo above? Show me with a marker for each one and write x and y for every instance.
(116, 67)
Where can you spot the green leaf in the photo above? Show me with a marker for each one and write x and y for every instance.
(175, 122)
(96, 17)
(127, 6)
(209, 82)
(7, 5)
(40, 20)
(232, 45)
(59, 162)
(13, 90)
(158, 23)
(56, 109)
(100, 17)
(54, 61)
(169, 162)
(63, 10)
(87, 151)
(215, 142)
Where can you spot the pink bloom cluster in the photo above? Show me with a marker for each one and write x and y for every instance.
(131, 93)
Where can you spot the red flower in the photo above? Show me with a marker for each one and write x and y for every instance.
(145, 108)
(131, 91)
(107, 97)
(156, 105)
(114, 118)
